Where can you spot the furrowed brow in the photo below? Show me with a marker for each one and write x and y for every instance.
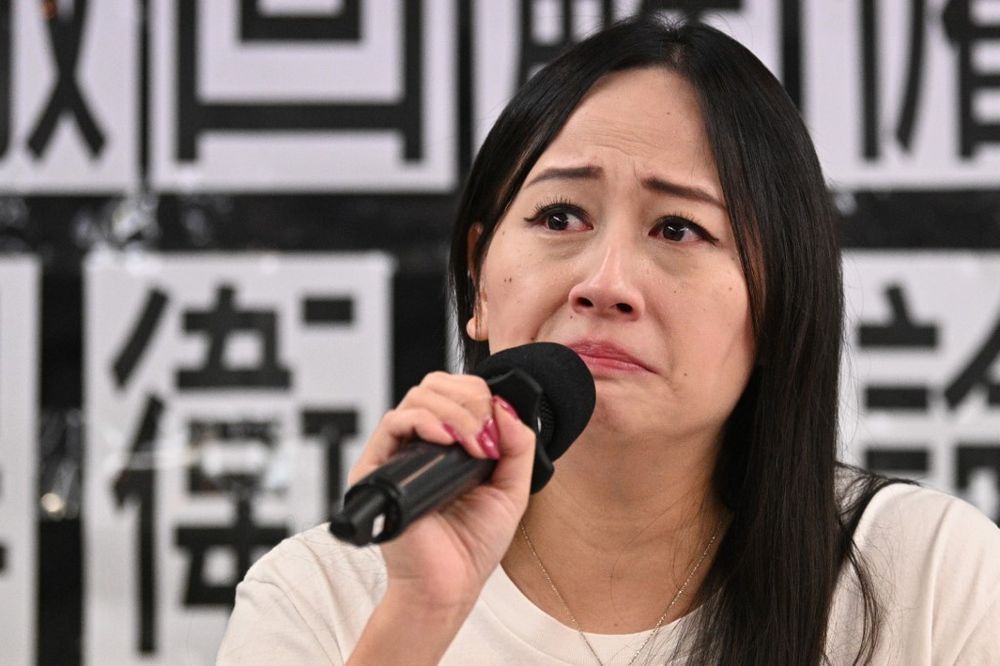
(683, 191)
(567, 173)
(590, 172)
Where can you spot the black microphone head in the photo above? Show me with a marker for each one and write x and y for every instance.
(568, 394)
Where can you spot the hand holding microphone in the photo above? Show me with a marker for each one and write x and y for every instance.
(412, 467)
(545, 385)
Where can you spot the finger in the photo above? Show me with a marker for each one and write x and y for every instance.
(517, 451)
(473, 427)
(440, 379)
(469, 391)
(397, 427)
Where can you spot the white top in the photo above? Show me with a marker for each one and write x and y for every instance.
(935, 562)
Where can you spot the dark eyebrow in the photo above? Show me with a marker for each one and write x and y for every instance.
(572, 173)
(685, 191)
(656, 184)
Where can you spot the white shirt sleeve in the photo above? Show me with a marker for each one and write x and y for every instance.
(305, 602)
(935, 565)
(983, 645)
(267, 628)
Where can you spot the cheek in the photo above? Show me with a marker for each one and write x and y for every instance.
(504, 297)
(733, 335)
(505, 280)
(523, 290)
(717, 321)
(502, 280)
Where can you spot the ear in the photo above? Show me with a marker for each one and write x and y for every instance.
(476, 328)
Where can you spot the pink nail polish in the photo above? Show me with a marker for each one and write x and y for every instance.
(488, 444)
(452, 432)
(491, 428)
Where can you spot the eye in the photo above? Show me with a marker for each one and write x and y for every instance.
(558, 216)
(679, 229)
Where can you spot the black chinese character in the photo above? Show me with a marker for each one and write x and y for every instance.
(870, 77)
(332, 427)
(243, 539)
(968, 36)
(899, 333)
(65, 39)
(218, 325)
(132, 351)
(136, 483)
(197, 116)
(976, 373)
(322, 310)
(226, 432)
(897, 459)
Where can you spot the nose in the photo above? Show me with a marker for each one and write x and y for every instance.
(608, 287)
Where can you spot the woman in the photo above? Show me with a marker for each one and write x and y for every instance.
(652, 200)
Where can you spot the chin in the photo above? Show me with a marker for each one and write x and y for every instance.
(616, 423)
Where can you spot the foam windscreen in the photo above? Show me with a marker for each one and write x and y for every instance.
(568, 394)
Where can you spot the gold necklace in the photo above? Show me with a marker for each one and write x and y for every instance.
(659, 622)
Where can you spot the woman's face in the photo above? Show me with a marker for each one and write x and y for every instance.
(619, 245)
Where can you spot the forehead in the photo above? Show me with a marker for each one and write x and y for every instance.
(649, 119)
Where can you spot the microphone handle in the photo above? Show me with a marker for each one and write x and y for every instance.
(423, 476)
(419, 478)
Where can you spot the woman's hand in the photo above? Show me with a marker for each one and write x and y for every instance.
(443, 559)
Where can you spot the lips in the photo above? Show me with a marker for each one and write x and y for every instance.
(606, 356)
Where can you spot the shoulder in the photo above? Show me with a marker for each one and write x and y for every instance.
(911, 516)
(935, 565)
(314, 556)
(321, 576)
(307, 600)
(920, 516)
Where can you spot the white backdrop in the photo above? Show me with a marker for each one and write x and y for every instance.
(18, 458)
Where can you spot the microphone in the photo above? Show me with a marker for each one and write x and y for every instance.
(549, 387)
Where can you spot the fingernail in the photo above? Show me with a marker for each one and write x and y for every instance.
(488, 443)
(452, 432)
(491, 427)
(506, 405)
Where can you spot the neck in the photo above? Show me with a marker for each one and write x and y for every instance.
(652, 493)
(620, 530)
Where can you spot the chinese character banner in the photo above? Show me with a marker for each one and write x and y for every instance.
(921, 383)
(394, 96)
(359, 100)
(225, 400)
(69, 73)
(234, 222)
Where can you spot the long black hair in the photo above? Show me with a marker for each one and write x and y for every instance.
(770, 588)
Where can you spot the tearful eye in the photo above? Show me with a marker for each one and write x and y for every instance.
(557, 217)
(557, 220)
(679, 229)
